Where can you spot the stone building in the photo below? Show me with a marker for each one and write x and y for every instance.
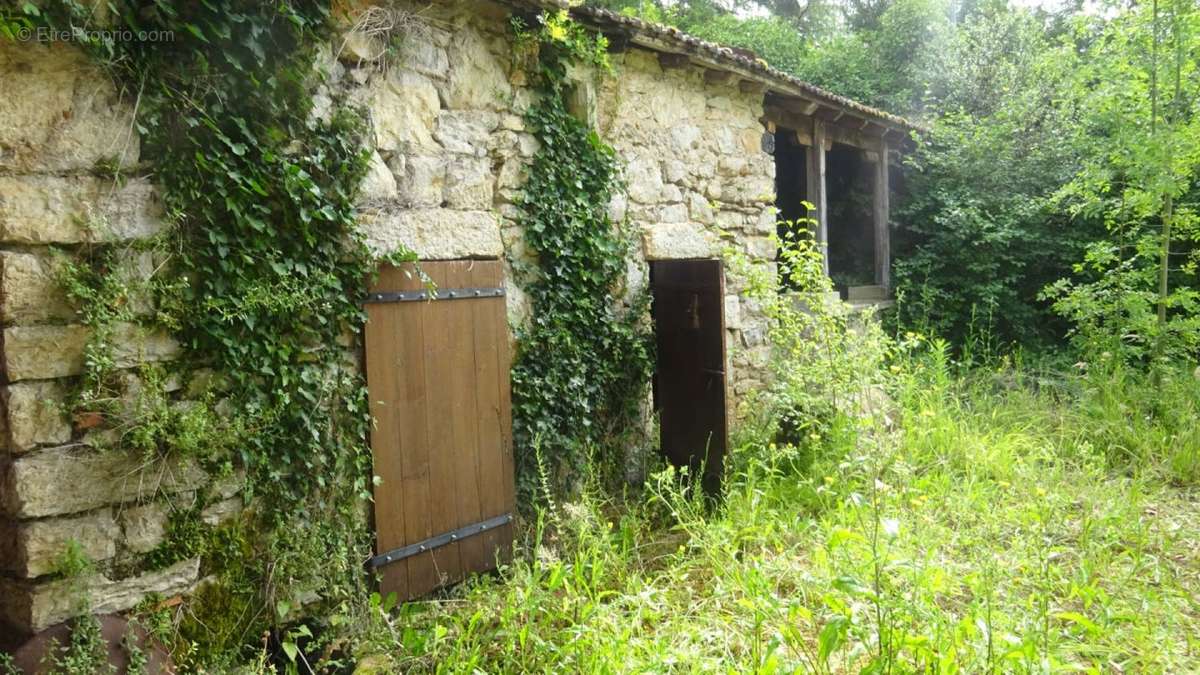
(711, 143)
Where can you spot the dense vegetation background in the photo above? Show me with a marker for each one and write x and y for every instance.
(1063, 144)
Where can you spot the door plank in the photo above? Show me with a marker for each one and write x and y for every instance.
(439, 439)
(464, 423)
(488, 342)
(383, 389)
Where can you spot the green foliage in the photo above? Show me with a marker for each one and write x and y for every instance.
(981, 235)
(260, 277)
(186, 536)
(987, 532)
(85, 654)
(73, 562)
(772, 39)
(1136, 295)
(581, 368)
(818, 363)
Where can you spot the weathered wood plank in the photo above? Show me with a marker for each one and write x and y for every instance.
(384, 392)
(438, 410)
(463, 424)
(495, 475)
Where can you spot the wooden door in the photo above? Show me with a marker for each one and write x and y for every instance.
(689, 383)
(438, 377)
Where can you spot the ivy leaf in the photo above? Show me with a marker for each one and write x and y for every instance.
(195, 30)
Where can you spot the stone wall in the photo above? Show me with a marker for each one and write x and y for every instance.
(451, 151)
(61, 121)
(449, 154)
(697, 181)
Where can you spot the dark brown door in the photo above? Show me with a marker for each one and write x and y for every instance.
(437, 374)
(689, 384)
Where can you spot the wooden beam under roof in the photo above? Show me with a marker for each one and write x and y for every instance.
(751, 87)
(712, 76)
(670, 61)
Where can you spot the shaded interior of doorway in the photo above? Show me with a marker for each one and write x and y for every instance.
(849, 195)
(689, 382)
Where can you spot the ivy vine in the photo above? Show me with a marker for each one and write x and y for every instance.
(581, 368)
(260, 278)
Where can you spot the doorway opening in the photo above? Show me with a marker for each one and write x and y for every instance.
(791, 191)
(689, 381)
(850, 193)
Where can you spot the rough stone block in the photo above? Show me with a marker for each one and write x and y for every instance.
(733, 312)
(221, 511)
(420, 179)
(403, 106)
(699, 209)
(30, 290)
(227, 486)
(618, 207)
(469, 184)
(34, 486)
(44, 352)
(355, 48)
(59, 112)
(36, 415)
(477, 77)
(435, 234)
(685, 137)
(58, 210)
(144, 525)
(674, 171)
(766, 221)
(466, 131)
(676, 241)
(512, 176)
(30, 607)
(425, 57)
(379, 185)
(673, 213)
(644, 181)
(36, 546)
(763, 248)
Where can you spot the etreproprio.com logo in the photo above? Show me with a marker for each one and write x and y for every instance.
(21, 30)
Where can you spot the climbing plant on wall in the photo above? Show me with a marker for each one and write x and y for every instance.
(582, 366)
(266, 271)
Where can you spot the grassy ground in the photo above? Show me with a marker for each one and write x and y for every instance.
(994, 522)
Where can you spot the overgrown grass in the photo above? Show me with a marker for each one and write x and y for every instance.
(991, 521)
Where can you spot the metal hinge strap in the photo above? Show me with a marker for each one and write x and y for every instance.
(439, 294)
(431, 543)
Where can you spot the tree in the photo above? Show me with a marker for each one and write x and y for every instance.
(1140, 84)
(980, 234)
